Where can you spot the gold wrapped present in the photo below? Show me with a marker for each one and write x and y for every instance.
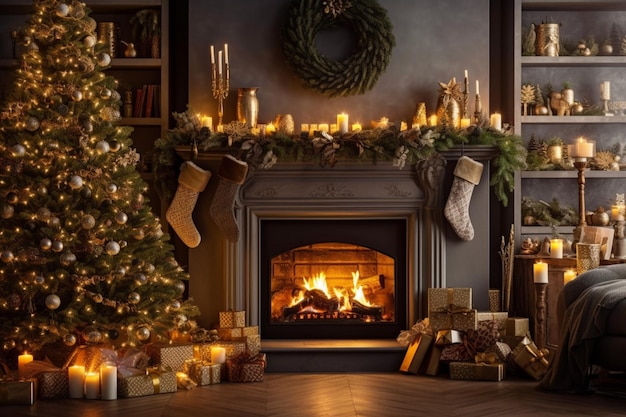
(229, 333)
(533, 360)
(232, 318)
(495, 301)
(203, 372)
(172, 355)
(433, 360)
(53, 384)
(202, 351)
(415, 354)
(233, 348)
(515, 341)
(448, 337)
(461, 319)
(245, 368)
(516, 326)
(451, 308)
(498, 317)
(252, 342)
(21, 392)
(156, 381)
(477, 371)
(501, 350)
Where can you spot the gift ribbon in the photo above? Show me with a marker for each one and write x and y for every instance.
(155, 374)
(540, 356)
(485, 358)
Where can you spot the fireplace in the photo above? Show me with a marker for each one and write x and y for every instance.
(325, 278)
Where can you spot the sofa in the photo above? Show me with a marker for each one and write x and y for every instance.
(592, 319)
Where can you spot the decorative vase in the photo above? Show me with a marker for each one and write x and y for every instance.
(106, 36)
(248, 106)
(587, 257)
(555, 154)
(285, 124)
(568, 95)
(548, 39)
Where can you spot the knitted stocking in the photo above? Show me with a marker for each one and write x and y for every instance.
(232, 174)
(467, 175)
(191, 181)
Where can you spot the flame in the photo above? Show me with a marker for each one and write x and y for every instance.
(318, 282)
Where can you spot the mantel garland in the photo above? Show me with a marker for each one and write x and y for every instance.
(403, 148)
(356, 74)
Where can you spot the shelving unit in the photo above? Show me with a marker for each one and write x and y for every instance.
(579, 19)
(131, 73)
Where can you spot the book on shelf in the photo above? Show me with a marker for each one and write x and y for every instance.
(147, 101)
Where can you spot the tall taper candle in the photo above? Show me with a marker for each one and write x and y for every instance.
(212, 55)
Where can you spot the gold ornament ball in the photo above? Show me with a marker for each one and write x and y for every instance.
(112, 248)
(32, 124)
(6, 256)
(67, 259)
(139, 234)
(77, 95)
(134, 298)
(541, 110)
(69, 340)
(141, 279)
(53, 301)
(93, 336)
(142, 333)
(57, 246)
(89, 41)
(121, 218)
(45, 243)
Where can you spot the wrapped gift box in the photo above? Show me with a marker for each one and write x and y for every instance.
(233, 348)
(433, 360)
(244, 368)
(495, 303)
(232, 319)
(451, 308)
(532, 360)
(499, 317)
(229, 333)
(203, 372)
(202, 351)
(415, 354)
(516, 326)
(477, 371)
(252, 343)
(502, 351)
(448, 337)
(156, 381)
(169, 355)
(53, 384)
(514, 341)
(21, 392)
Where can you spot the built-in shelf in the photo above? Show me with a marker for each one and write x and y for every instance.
(573, 119)
(572, 174)
(573, 61)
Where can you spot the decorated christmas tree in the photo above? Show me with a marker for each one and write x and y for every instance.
(82, 257)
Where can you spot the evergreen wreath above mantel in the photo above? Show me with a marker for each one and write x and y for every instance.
(356, 74)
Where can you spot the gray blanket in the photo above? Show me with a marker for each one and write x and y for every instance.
(584, 305)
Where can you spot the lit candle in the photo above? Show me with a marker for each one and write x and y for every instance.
(605, 90)
(322, 127)
(108, 381)
(465, 123)
(496, 121)
(356, 127)
(226, 53)
(466, 74)
(568, 275)
(333, 128)
(255, 131)
(218, 355)
(76, 376)
(403, 126)
(207, 121)
(540, 273)
(304, 127)
(581, 149)
(342, 122)
(433, 120)
(220, 128)
(556, 248)
(212, 55)
(270, 128)
(22, 360)
(92, 385)
(312, 129)
(615, 213)
(477, 88)
(219, 62)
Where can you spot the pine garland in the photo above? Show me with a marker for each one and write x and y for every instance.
(352, 76)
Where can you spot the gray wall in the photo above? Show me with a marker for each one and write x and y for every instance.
(435, 41)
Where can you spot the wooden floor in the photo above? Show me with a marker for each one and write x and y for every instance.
(342, 395)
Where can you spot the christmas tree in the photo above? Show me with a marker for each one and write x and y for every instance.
(82, 257)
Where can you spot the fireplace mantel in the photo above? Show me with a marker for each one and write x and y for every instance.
(225, 275)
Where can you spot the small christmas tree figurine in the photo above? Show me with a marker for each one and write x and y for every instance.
(82, 257)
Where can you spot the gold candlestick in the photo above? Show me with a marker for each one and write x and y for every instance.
(220, 85)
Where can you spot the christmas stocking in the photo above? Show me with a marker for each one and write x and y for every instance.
(467, 175)
(232, 174)
(191, 181)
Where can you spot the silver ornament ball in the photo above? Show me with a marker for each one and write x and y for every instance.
(18, 150)
(62, 10)
(93, 336)
(67, 259)
(45, 243)
(121, 217)
(103, 147)
(53, 301)
(77, 95)
(87, 221)
(32, 124)
(69, 340)
(43, 214)
(89, 41)
(6, 256)
(112, 188)
(57, 246)
(104, 59)
(75, 182)
(112, 248)
(142, 333)
(134, 298)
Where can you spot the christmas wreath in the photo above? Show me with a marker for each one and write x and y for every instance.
(356, 74)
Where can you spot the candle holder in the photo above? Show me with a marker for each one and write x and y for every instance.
(605, 108)
(581, 165)
(540, 314)
(464, 112)
(619, 245)
(478, 109)
(220, 85)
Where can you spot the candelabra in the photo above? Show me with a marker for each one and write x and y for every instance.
(540, 314)
(478, 109)
(581, 165)
(465, 113)
(220, 85)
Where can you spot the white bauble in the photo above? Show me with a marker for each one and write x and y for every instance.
(75, 182)
(104, 59)
(89, 41)
(18, 150)
(32, 124)
(121, 217)
(112, 248)
(77, 95)
(103, 146)
(53, 301)
(63, 10)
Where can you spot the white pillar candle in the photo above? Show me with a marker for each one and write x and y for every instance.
(92, 385)
(342, 123)
(76, 375)
(556, 248)
(218, 355)
(568, 275)
(465, 123)
(540, 273)
(207, 121)
(581, 148)
(496, 121)
(605, 90)
(108, 381)
(219, 62)
(322, 127)
(433, 120)
(22, 360)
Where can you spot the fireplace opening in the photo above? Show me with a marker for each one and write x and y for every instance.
(333, 278)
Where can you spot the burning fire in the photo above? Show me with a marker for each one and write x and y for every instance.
(344, 295)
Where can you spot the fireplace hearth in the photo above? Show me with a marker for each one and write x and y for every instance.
(325, 278)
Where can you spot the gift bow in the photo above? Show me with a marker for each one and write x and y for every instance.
(155, 373)
(539, 355)
(485, 358)
(244, 358)
(128, 361)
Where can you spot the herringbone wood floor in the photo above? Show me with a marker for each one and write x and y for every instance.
(342, 395)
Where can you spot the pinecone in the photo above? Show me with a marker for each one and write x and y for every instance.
(533, 144)
(622, 50)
